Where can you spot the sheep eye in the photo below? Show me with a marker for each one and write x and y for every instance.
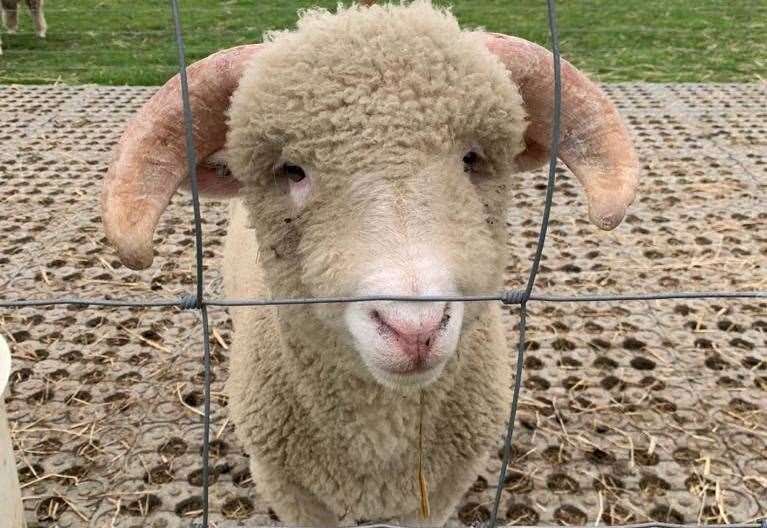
(470, 160)
(293, 172)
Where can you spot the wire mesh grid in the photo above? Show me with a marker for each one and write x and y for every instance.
(198, 301)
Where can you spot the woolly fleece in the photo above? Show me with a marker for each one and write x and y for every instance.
(379, 105)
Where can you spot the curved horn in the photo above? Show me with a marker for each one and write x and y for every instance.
(594, 142)
(150, 160)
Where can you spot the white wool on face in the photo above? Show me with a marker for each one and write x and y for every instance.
(379, 105)
(364, 85)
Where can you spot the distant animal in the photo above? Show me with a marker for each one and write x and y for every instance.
(371, 151)
(11, 17)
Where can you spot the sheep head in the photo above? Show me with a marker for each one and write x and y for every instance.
(373, 148)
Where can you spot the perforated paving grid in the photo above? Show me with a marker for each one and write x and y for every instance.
(629, 412)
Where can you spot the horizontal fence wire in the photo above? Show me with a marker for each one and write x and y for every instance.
(762, 523)
(198, 301)
(508, 297)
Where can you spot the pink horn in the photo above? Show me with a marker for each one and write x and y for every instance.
(150, 160)
(594, 142)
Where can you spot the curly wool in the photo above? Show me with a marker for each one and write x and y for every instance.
(347, 88)
(377, 101)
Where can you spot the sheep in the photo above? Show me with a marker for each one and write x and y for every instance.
(10, 17)
(369, 152)
(11, 509)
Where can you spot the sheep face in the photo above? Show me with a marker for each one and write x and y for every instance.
(375, 148)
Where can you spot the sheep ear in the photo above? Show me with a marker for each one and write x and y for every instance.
(150, 159)
(214, 179)
(594, 142)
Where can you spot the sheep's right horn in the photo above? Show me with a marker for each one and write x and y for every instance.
(150, 161)
(594, 142)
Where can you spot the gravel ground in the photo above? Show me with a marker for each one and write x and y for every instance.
(630, 411)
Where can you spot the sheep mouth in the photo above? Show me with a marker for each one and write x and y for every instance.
(419, 366)
(403, 378)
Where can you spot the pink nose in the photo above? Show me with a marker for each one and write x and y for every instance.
(414, 333)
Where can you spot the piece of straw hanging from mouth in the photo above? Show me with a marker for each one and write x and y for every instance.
(423, 486)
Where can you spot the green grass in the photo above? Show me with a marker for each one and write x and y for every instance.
(130, 42)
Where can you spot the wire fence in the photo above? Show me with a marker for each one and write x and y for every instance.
(198, 300)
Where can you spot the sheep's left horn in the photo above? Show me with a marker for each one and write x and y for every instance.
(594, 142)
(150, 161)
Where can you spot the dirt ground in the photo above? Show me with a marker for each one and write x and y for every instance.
(630, 411)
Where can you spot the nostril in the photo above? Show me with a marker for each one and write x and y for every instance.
(417, 323)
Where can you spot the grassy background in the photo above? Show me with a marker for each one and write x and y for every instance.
(130, 41)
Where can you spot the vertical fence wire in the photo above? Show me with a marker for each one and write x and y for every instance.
(199, 300)
(550, 184)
